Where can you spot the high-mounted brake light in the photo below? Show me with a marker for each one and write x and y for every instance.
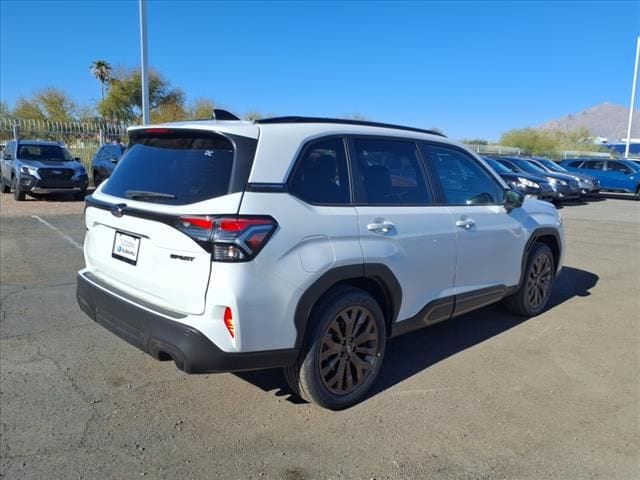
(232, 239)
(157, 130)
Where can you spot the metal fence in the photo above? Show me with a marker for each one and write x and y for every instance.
(495, 149)
(82, 138)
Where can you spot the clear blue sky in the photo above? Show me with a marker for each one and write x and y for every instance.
(471, 69)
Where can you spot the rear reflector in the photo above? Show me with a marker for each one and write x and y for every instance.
(228, 322)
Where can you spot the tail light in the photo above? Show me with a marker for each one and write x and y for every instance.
(231, 239)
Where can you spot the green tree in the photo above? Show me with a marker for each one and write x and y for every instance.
(47, 104)
(102, 71)
(123, 101)
(201, 109)
(4, 109)
(549, 142)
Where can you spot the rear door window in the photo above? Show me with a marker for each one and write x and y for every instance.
(173, 167)
(391, 173)
(594, 165)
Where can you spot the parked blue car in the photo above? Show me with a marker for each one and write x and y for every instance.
(614, 175)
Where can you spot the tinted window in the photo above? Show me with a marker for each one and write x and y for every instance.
(43, 153)
(190, 166)
(577, 164)
(497, 166)
(528, 166)
(112, 151)
(594, 165)
(463, 180)
(321, 176)
(618, 167)
(391, 173)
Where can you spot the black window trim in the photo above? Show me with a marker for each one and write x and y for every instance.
(296, 166)
(442, 198)
(358, 187)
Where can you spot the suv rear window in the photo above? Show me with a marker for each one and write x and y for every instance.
(182, 167)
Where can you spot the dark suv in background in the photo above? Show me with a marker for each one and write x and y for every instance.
(105, 161)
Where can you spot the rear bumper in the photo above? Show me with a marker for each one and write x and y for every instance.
(161, 337)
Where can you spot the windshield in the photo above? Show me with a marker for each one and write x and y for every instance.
(527, 166)
(497, 166)
(551, 165)
(173, 167)
(508, 165)
(43, 153)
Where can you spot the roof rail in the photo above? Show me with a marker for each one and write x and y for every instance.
(343, 121)
(219, 114)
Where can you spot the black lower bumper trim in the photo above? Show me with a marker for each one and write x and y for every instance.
(160, 337)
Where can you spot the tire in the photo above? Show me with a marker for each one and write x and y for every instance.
(533, 295)
(4, 187)
(333, 345)
(18, 194)
(97, 180)
(81, 194)
(638, 193)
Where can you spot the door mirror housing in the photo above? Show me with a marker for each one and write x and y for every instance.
(77, 159)
(7, 156)
(512, 199)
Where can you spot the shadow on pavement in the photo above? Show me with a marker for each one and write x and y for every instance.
(619, 196)
(416, 351)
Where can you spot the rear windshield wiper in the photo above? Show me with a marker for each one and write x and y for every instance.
(143, 194)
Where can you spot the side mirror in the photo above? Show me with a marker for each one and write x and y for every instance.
(77, 159)
(7, 156)
(513, 199)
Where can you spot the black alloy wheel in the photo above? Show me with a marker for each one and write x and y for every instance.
(539, 281)
(535, 289)
(342, 351)
(349, 350)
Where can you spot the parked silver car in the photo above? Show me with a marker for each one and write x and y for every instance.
(41, 167)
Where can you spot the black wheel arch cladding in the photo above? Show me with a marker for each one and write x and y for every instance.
(367, 276)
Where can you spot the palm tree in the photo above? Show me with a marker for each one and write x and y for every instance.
(102, 71)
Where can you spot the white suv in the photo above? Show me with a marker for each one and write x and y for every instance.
(305, 243)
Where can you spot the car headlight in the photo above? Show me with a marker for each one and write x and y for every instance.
(528, 183)
(555, 181)
(29, 171)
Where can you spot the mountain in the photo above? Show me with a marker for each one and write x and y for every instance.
(605, 120)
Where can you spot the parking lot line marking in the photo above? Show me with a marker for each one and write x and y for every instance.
(57, 230)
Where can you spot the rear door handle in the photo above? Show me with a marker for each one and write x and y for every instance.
(466, 224)
(381, 227)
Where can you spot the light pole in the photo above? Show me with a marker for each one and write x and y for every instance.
(144, 61)
(633, 98)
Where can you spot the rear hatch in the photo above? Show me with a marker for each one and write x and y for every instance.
(137, 238)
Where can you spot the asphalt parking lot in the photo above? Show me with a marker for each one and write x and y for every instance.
(488, 395)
